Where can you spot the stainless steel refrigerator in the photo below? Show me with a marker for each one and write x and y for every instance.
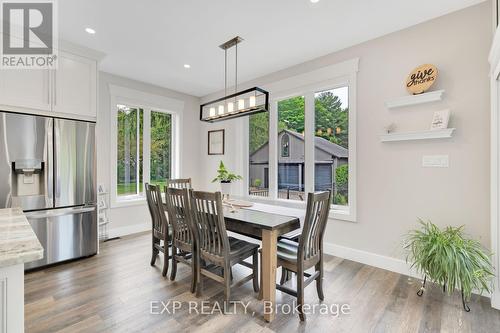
(48, 168)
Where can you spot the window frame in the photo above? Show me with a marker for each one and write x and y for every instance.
(148, 103)
(340, 75)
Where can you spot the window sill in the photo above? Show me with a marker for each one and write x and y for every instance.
(132, 201)
(336, 212)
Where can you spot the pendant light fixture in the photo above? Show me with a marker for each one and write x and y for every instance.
(238, 104)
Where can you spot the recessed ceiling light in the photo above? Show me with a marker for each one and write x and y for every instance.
(187, 66)
(90, 31)
(314, 1)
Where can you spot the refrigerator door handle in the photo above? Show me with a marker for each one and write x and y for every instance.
(58, 212)
(50, 162)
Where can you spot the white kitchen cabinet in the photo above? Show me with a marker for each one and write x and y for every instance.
(25, 89)
(70, 91)
(74, 86)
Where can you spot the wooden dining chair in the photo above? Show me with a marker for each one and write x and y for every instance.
(179, 183)
(160, 228)
(183, 242)
(299, 256)
(216, 248)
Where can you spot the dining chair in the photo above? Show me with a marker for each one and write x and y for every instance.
(160, 228)
(216, 248)
(300, 256)
(183, 242)
(179, 183)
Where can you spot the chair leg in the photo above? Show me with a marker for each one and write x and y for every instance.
(255, 269)
(319, 280)
(284, 275)
(227, 285)
(154, 251)
(199, 278)
(300, 294)
(174, 263)
(165, 260)
(194, 269)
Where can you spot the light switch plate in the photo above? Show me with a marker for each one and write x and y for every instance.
(435, 161)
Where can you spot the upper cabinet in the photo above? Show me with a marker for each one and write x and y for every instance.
(25, 89)
(70, 91)
(75, 86)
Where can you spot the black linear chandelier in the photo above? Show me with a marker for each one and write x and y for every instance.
(239, 104)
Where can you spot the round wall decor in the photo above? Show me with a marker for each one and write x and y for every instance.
(421, 79)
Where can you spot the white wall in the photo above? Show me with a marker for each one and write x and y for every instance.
(136, 218)
(393, 189)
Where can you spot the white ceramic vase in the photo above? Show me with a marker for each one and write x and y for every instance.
(225, 189)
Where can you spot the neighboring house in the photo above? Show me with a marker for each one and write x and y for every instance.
(328, 156)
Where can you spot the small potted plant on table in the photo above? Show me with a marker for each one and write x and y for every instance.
(449, 259)
(225, 178)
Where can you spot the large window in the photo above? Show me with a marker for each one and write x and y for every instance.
(142, 135)
(161, 143)
(331, 152)
(129, 148)
(291, 159)
(258, 128)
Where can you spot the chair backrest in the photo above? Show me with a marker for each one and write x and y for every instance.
(179, 215)
(207, 213)
(179, 183)
(311, 239)
(155, 205)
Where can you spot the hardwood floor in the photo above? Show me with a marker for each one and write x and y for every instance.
(112, 292)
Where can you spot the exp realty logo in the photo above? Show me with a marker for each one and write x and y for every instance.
(29, 37)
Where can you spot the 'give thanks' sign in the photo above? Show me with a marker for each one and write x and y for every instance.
(421, 79)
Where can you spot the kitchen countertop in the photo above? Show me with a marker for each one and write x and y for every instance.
(18, 242)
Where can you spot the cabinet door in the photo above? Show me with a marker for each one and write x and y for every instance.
(75, 86)
(25, 89)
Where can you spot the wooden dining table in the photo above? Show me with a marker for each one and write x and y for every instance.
(267, 227)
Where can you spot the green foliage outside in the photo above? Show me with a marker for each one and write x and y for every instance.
(450, 259)
(129, 160)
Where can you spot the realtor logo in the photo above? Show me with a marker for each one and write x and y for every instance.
(29, 38)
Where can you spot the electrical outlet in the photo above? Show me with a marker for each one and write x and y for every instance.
(435, 161)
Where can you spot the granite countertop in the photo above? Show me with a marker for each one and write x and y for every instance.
(18, 242)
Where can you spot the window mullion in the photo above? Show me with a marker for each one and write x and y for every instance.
(146, 147)
(309, 142)
(273, 150)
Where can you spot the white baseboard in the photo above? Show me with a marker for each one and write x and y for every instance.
(372, 259)
(128, 230)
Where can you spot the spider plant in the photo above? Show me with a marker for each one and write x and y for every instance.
(450, 259)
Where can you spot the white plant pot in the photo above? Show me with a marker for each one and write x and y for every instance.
(225, 188)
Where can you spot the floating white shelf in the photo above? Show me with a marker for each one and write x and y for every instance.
(428, 97)
(422, 135)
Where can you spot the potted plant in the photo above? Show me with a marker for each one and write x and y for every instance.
(449, 259)
(225, 178)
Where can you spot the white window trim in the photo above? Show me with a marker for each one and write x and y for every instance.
(307, 84)
(147, 102)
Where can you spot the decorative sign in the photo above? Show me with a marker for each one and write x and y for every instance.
(421, 79)
(440, 119)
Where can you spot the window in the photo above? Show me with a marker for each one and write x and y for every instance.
(291, 163)
(258, 127)
(142, 135)
(161, 152)
(312, 140)
(331, 152)
(285, 145)
(129, 149)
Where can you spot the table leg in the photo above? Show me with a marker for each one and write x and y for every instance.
(269, 239)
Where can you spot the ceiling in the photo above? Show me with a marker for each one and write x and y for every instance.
(151, 40)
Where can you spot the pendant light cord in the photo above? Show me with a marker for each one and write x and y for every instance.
(225, 72)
